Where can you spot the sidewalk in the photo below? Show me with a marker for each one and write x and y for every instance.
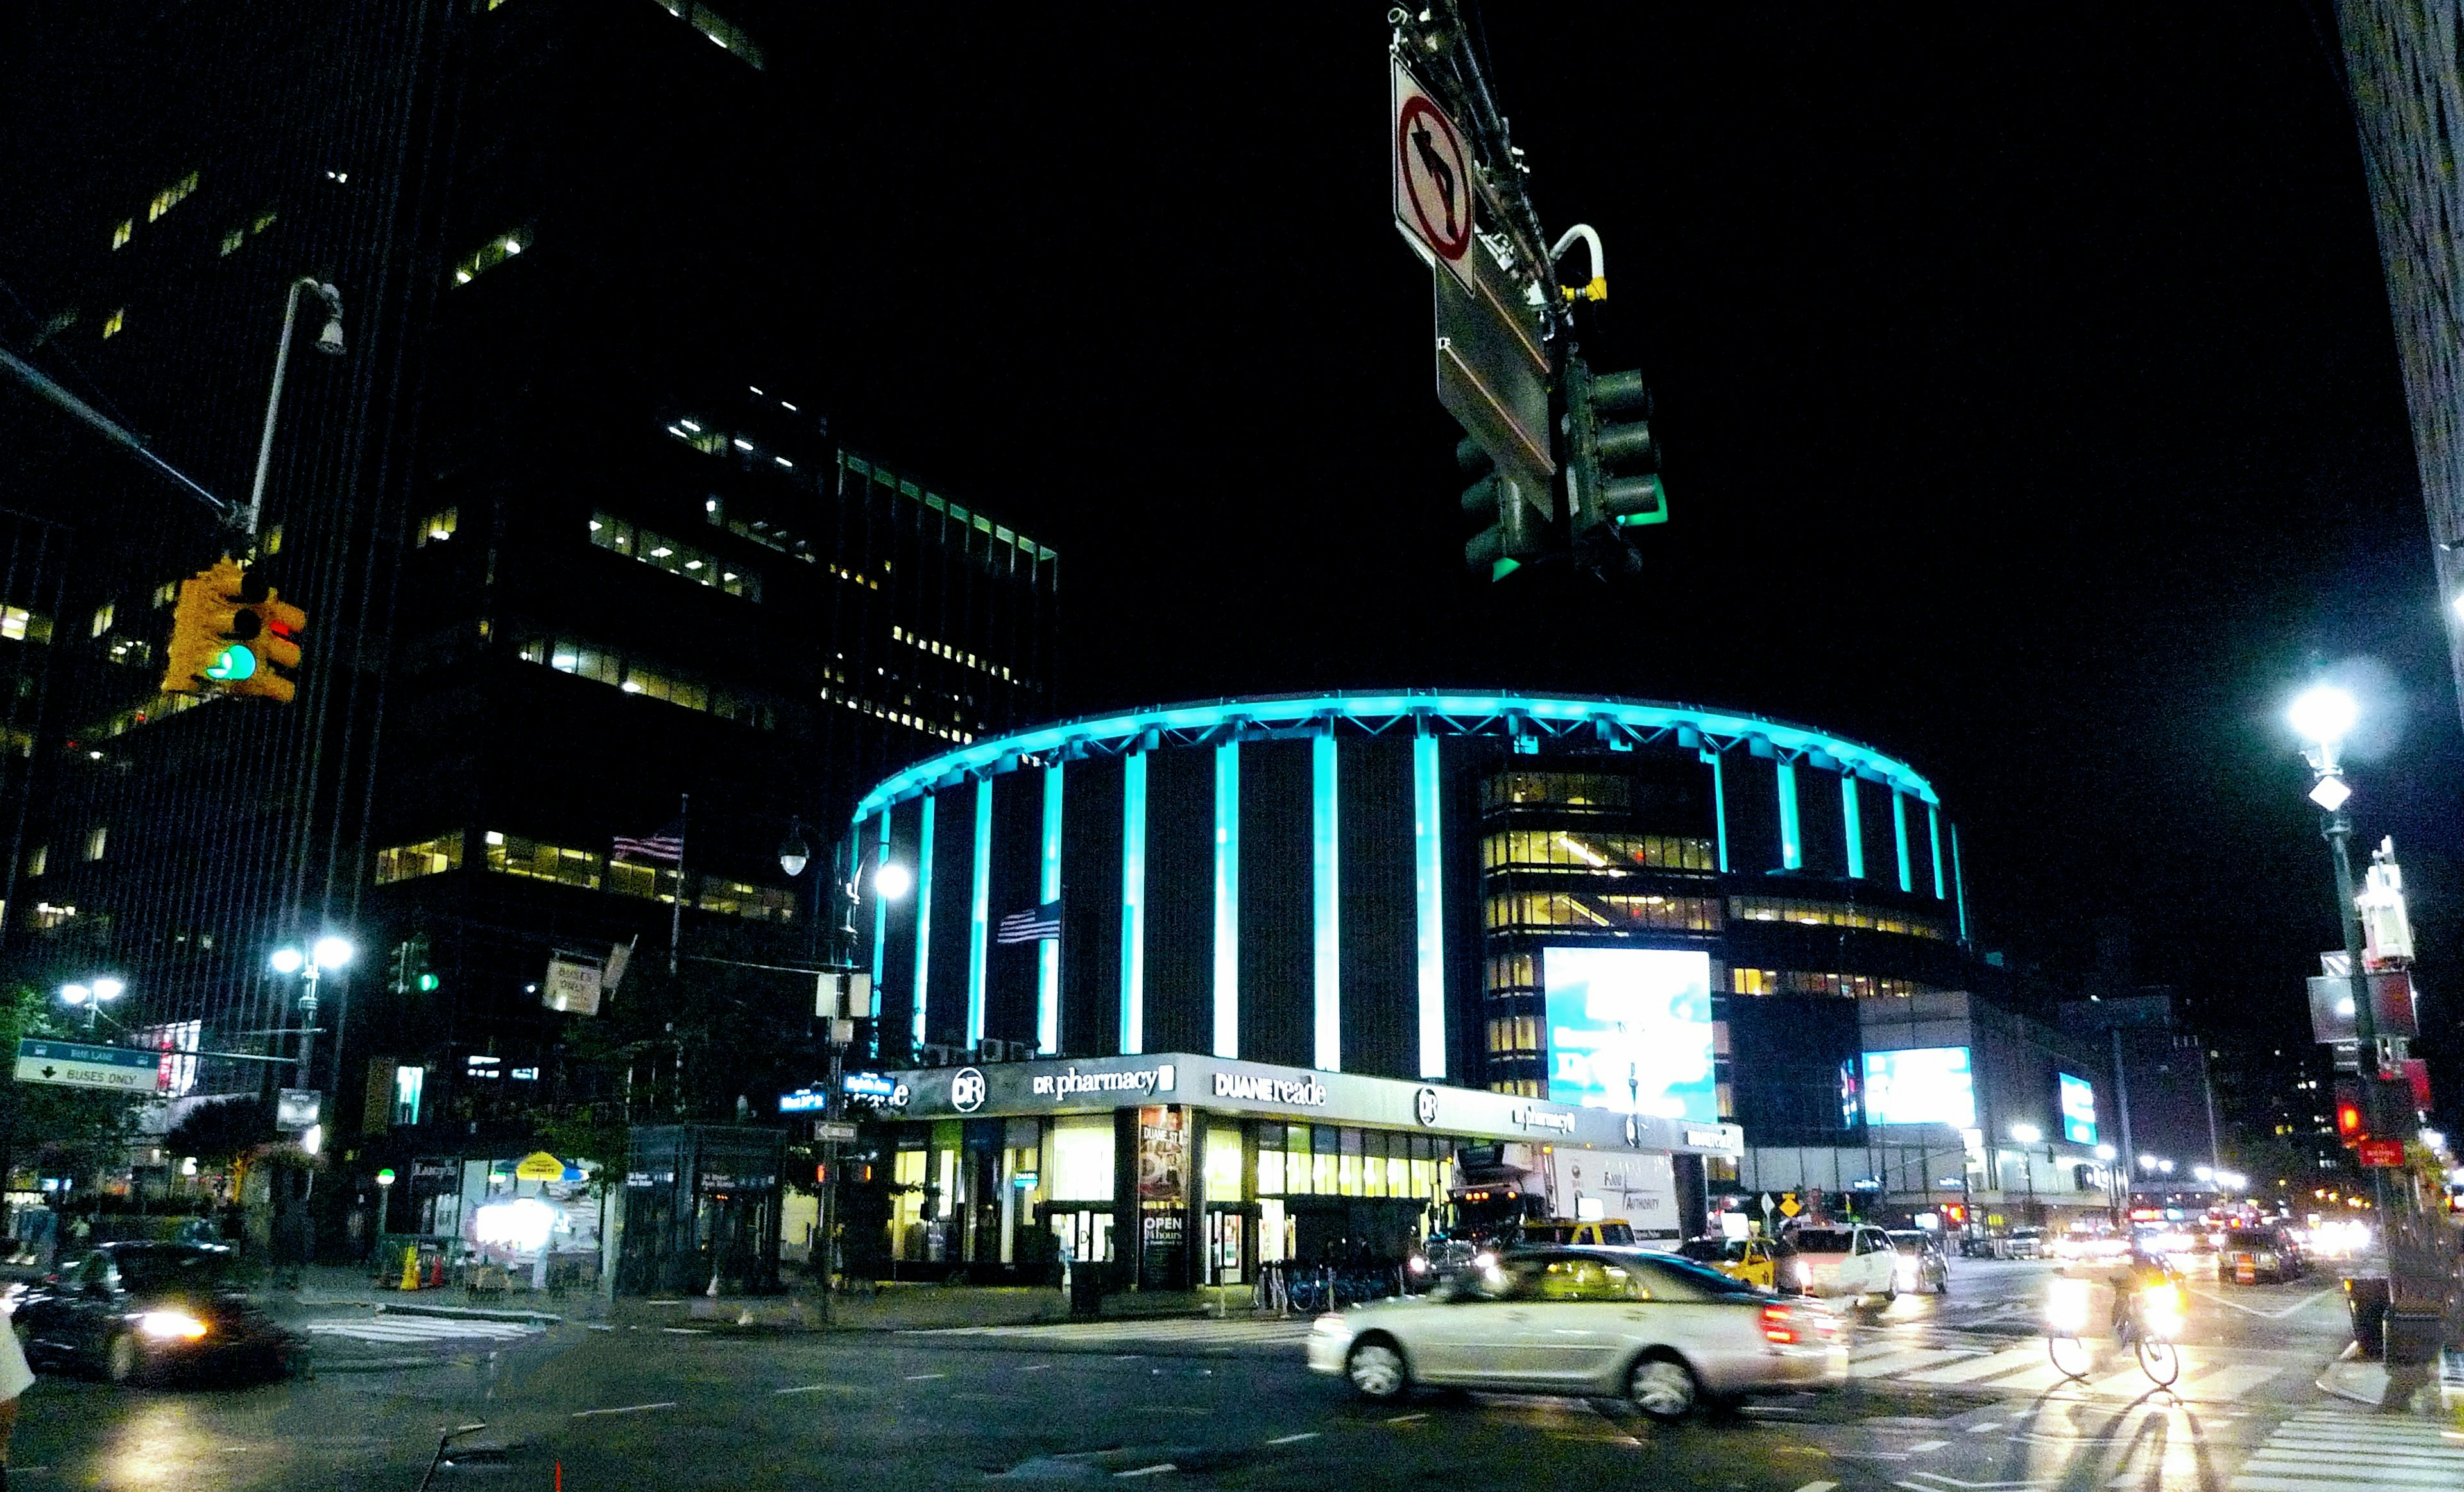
(2365, 1380)
(891, 1307)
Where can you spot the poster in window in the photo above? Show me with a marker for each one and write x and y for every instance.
(1163, 1154)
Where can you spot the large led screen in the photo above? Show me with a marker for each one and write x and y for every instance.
(2078, 1109)
(1629, 1029)
(1923, 1085)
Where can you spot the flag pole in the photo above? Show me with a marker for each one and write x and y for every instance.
(676, 913)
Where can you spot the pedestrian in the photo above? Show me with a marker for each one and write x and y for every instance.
(15, 1378)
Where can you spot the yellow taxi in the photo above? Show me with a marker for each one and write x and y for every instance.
(1755, 1261)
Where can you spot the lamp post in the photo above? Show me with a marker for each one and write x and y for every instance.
(328, 342)
(92, 994)
(2028, 1134)
(2106, 1156)
(326, 952)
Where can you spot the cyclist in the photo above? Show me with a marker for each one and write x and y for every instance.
(2145, 1269)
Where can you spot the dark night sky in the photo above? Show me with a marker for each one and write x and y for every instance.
(2028, 386)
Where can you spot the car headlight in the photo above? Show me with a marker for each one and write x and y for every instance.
(1483, 1259)
(1420, 1264)
(166, 1325)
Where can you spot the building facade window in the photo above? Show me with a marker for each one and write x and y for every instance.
(102, 616)
(17, 624)
(1803, 981)
(673, 555)
(1572, 792)
(436, 528)
(601, 666)
(428, 857)
(511, 854)
(112, 324)
(1593, 850)
(169, 197)
(96, 840)
(126, 231)
(488, 255)
(38, 859)
(1833, 914)
(1603, 911)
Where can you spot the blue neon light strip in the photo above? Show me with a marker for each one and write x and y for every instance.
(1430, 907)
(880, 928)
(979, 910)
(1719, 806)
(1933, 828)
(1900, 832)
(1133, 903)
(923, 913)
(1227, 899)
(1854, 818)
(1113, 731)
(1326, 872)
(1958, 883)
(1047, 953)
(1792, 848)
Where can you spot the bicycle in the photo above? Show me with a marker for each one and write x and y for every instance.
(2152, 1323)
(2065, 1318)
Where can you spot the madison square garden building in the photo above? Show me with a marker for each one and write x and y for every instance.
(1281, 978)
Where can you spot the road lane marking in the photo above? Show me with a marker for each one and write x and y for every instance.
(827, 1388)
(2302, 1304)
(1818, 1486)
(919, 1377)
(628, 1409)
(1288, 1439)
(1405, 1419)
(1923, 1446)
(1157, 1469)
(1986, 1428)
(1037, 1367)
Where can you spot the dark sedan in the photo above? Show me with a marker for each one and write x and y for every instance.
(140, 1312)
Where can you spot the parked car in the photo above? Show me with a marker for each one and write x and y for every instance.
(141, 1311)
(1614, 1233)
(2020, 1243)
(1922, 1266)
(2250, 1255)
(1663, 1331)
(1769, 1262)
(1846, 1258)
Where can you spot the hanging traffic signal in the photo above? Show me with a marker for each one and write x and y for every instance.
(1611, 464)
(201, 619)
(2352, 1119)
(229, 630)
(1512, 527)
(266, 629)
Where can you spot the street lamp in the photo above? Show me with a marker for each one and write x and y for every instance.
(329, 951)
(329, 340)
(794, 854)
(2106, 1156)
(893, 881)
(92, 994)
(2028, 1134)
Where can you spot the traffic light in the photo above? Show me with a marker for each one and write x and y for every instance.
(2352, 1119)
(229, 630)
(1513, 527)
(1611, 464)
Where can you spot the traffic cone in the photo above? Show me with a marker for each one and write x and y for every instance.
(409, 1267)
(436, 1272)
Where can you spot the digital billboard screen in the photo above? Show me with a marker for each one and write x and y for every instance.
(1922, 1085)
(2078, 1109)
(1629, 1029)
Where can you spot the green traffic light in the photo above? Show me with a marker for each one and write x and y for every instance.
(427, 981)
(233, 664)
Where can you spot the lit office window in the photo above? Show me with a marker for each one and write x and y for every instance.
(1579, 792)
(166, 593)
(488, 255)
(1833, 914)
(600, 666)
(437, 527)
(261, 222)
(103, 615)
(234, 239)
(428, 857)
(511, 854)
(38, 859)
(1581, 850)
(17, 624)
(170, 196)
(407, 1083)
(112, 324)
(133, 652)
(722, 30)
(96, 838)
(126, 231)
(673, 555)
(737, 899)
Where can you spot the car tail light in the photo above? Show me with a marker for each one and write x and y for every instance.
(1779, 1325)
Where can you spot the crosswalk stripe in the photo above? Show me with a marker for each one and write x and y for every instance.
(1902, 1360)
(421, 1328)
(2231, 1382)
(2329, 1451)
(2008, 1360)
(2381, 1464)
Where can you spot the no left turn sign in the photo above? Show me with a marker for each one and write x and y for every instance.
(1432, 173)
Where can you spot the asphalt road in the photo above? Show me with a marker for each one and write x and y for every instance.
(1952, 1396)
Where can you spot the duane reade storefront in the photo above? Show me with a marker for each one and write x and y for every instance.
(1180, 1169)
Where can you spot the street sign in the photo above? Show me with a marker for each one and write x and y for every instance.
(2331, 1005)
(299, 1108)
(1432, 186)
(1493, 369)
(834, 1129)
(2380, 1153)
(1789, 1205)
(803, 1101)
(539, 1166)
(80, 1064)
(572, 986)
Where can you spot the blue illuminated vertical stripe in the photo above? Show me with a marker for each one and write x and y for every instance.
(1933, 828)
(1791, 848)
(1900, 833)
(923, 912)
(1326, 872)
(1133, 903)
(1047, 953)
(1853, 818)
(880, 928)
(1719, 807)
(1431, 907)
(1227, 899)
(1958, 883)
(979, 910)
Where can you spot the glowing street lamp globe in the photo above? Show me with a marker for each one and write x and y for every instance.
(893, 881)
(332, 953)
(2324, 714)
(287, 960)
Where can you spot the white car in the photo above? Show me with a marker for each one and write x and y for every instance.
(1664, 1332)
(1850, 1259)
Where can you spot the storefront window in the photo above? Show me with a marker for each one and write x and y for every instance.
(1325, 1175)
(1222, 1164)
(1081, 1167)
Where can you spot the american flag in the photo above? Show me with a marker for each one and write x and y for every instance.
(666, 846)
(1040, 925)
